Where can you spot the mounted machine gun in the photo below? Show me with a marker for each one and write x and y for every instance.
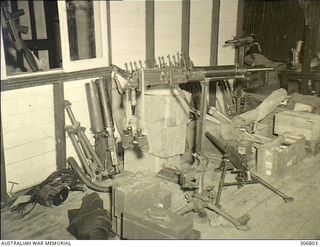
(171, 74)
(236, 163)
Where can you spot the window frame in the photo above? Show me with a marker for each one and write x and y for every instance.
(67, 64)
(100, 22)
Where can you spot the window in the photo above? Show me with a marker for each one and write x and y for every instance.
(50, 36)
(83, 26)
(31, 36)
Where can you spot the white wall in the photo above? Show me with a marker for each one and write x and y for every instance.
(227, 29)
(168, 16)
(28, 135)
(128, 31)
(200, 31)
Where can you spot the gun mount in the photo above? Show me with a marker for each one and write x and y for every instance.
(232, 160)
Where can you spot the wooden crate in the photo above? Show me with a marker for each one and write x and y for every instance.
(307, 124)
(277, 156)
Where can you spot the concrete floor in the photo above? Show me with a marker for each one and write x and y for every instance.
(271, 218)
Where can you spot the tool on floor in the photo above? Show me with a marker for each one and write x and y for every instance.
(236, 163)
(53, 191)
(91, 221)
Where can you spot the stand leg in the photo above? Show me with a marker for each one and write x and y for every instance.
(221, 184)
(273, 189)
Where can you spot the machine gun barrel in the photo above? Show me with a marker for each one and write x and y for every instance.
(179, 75)
(225, 71)
(227, 151)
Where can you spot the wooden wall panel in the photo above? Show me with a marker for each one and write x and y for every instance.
(277, 25)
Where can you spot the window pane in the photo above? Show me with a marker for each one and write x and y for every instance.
(30, 29)
(81, 29)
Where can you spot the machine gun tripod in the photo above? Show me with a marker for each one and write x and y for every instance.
(233, 162)
(205, 200)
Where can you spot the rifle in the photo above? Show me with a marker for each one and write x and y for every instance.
(14, 31)
(232, 160)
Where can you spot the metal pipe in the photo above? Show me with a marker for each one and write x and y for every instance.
(238, 224)
(221, 183)
(94, 107)
(200, 128)
(78, 150)
(273, 189)
(73, 163)
(105, 103)
(90, 149)
(108, 124)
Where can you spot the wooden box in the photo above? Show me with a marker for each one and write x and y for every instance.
(277, 156)
(307, 124)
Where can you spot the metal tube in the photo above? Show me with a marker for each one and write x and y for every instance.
(273, 189)
(71, 116)
(108, 124)
(72, 162)
(200, 128)
(221, 184)
(79, 152)
(90, 149)
(239, 225)
(105, 103)
(94, 107)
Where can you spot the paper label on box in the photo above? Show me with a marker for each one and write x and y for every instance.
(268, 165)
(268, 172)
(268, 153)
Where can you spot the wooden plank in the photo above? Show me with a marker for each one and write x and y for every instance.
(240, 17)
(185, 32)
(150, 40)
(3, 173)
(50, 7)
(33, 26)
(45, 79)
(214, 32)
(60, 136)
(214, 48)
(109, 33)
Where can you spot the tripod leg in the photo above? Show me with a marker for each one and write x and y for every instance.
(79, 151)
(240, 224)
(273, 189)
(221, 184)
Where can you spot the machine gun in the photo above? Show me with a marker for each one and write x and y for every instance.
(175, 75)
(233, 161)
(182, 71)
(242, 44)
(179, 71)
(14, 30)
